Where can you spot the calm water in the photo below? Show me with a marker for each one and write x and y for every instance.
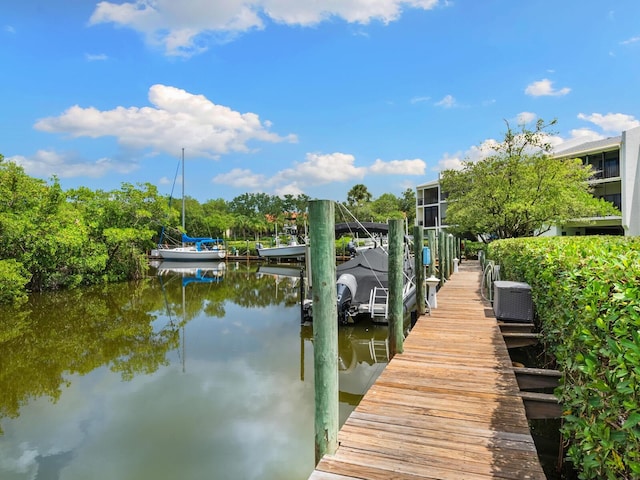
(186, 375)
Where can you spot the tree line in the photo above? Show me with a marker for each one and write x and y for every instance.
(52, 239)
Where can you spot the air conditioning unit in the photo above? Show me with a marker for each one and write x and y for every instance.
(512, 301)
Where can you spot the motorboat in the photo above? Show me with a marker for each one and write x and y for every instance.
(363, 286)
(293, 248)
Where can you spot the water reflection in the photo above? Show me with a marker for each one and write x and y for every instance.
(189, 374)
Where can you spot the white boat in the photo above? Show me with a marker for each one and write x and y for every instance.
(292, 249)
(193, 249)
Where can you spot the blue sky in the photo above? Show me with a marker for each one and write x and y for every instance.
(302, 96)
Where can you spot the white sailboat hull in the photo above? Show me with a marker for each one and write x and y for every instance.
(190, 254)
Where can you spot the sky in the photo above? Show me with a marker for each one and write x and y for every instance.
(303, 96)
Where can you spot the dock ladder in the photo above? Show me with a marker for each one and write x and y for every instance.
(379, 302)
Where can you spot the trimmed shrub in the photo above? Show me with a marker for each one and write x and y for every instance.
(586, 291)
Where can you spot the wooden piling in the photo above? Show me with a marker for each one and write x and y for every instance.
(325, 325)
(453, 253)
(396, 307)
(442, 258)
(418, 245)
(431, 235)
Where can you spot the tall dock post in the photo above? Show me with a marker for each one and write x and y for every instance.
(452, 253)
(418, 245)
(442, 257)
(447, 242)
(325, 325)
(431, 235)
(396, 307)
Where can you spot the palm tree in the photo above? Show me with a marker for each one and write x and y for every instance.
(358, 196)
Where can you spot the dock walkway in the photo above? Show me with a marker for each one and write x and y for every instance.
(446, 408)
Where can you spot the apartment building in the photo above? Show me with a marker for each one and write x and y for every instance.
(615, 162)
(431, 206)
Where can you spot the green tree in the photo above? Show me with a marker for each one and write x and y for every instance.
(358, 202)
(386, 206)
(408, 204)
(520, 190)
(122, 224)
(358, 196)
(218, 219)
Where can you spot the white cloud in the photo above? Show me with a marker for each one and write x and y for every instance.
(296, 12)
(611, 122)
(177, 119)
(398, 167)
(631, 40)
(447, 102)
(320, 169)
(473, 154)
(419, 99)
(290, 189)
(544, 87)
(168, 181)
(576, 137)
(182, 27)
(317, 169)
(9, 29)
(524, 118)
(241, 178)
(96, 57)
(48, 163)
(450, 162)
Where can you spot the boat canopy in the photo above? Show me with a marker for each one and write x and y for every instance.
(201, 241)
(370, 268)
(360, 227)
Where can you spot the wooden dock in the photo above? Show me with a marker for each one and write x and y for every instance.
(447, 408)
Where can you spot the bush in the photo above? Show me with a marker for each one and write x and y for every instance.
(13, 279)
(586, 291)
(471, 249)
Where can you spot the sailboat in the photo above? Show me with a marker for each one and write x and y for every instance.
(193, 249)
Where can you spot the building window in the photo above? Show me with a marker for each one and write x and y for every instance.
(430, 216)
(595, 160)
(615, 198)
(604, 164)
(430, 196)
(612, 164)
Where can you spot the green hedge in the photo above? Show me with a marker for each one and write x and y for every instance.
(586, 292)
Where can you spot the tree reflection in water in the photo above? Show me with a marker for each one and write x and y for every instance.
(106, 358)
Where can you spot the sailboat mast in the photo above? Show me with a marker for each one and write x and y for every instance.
(183, 216)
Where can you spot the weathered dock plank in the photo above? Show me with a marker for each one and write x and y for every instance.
(448, 407)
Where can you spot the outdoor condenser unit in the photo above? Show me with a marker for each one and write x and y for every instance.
(512, 301)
